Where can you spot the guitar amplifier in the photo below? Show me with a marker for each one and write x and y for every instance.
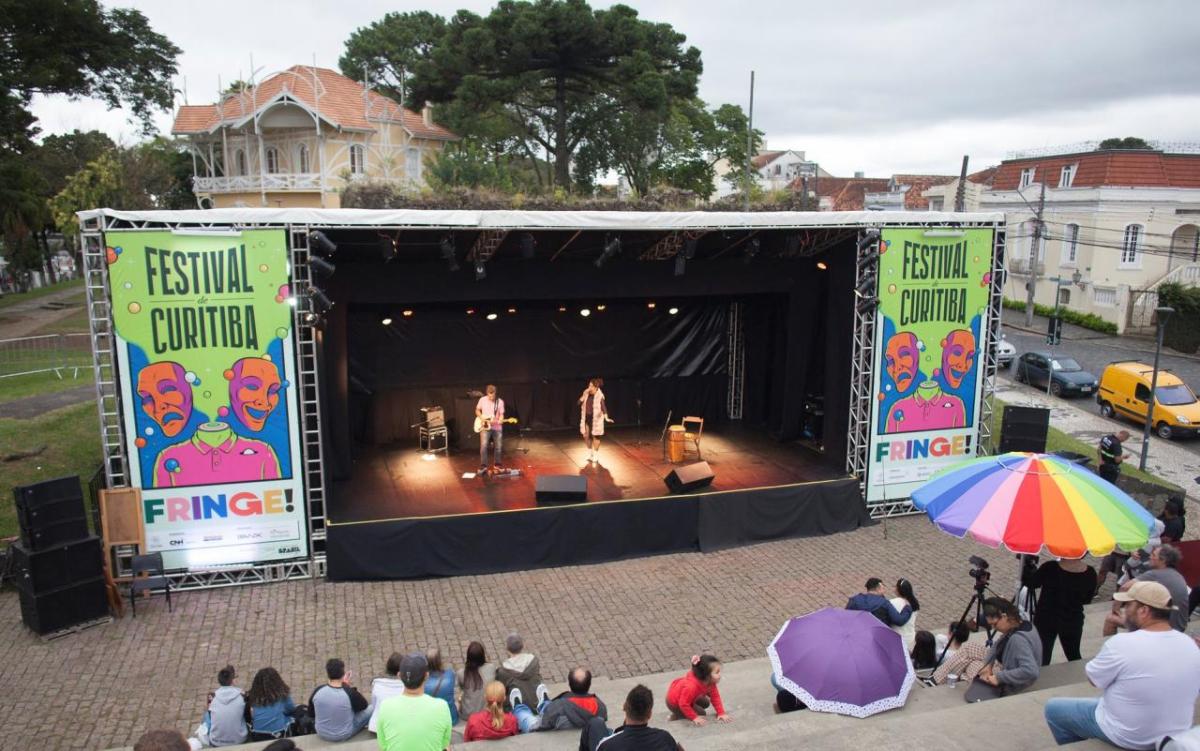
(435, 417)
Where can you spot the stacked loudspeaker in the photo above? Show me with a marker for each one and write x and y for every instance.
(58, 564)
(1024, 429)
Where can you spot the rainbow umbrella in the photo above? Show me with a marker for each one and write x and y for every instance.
(1028, 502)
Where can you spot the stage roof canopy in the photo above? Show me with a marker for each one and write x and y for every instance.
(535, 220)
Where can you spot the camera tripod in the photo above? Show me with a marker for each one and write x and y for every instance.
(981, 590)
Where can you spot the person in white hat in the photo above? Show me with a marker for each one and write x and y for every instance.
(1150, 677)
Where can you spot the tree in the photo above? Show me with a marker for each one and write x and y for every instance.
(553, 71)
(1129, 142)
(60, 156)
(388, 50)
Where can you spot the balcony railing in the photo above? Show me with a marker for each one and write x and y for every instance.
(250, 183)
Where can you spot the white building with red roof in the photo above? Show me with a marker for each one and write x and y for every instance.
(299, 137)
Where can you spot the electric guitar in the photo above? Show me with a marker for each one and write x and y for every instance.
(483, 423)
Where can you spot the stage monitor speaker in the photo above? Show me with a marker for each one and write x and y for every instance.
(57, 609)
(690, 477)
(50, 513)
(1024, 429)
(57, 566)
(552, 489)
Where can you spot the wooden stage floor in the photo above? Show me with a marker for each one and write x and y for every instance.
(397, 482)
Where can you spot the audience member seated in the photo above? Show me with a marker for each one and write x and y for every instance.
(1066, 586)
(1164, 564)
(414, 721)
(224, 723)
(440, 683)
(951, 641)
(874, 602)
(162, 740)
(521, 670)
(339, 711)
(1150, 678)
(570, 709)
(492, 722)
(1015, 659)
(477, 672)
(689, 695)
(385, 687)
(273, 714)
(635, 734)
(905, 597)
(924, 654)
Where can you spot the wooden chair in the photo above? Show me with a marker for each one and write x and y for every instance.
(693, 430)
(148, 576)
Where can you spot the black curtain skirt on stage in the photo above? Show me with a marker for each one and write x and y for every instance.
(589, 533)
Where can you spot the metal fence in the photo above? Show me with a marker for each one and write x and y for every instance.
(61, 354)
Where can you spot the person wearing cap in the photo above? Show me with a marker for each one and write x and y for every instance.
(414, 720)
(1150, 678)
(521, 670)
(1164, 569)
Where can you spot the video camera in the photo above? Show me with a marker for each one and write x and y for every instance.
(980, 573)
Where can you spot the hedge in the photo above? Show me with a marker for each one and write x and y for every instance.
(1084, 320)
(1182, 331)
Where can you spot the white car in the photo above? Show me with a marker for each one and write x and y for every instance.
(1005, 353)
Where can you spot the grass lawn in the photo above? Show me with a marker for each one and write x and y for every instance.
(17, 297)
(21, 387)
(72, 442)
(76, 323)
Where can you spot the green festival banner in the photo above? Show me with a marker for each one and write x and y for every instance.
(933, 289)
(204, 343)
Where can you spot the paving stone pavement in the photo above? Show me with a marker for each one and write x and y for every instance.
(106, 685)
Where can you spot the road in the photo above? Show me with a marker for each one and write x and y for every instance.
(1093, 351)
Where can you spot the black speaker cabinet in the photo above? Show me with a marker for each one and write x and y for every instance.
(56, 609)
(552, 489)
(50, 513)
(1024, 429)
(690, 477)
(57, 566)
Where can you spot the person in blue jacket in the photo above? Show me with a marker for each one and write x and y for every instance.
(875, 602)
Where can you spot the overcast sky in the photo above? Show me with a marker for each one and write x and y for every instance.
(881, 87)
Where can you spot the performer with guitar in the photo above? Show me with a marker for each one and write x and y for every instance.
(593, 413)
(489, 419)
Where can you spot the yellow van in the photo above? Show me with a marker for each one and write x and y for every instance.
(1125, 387)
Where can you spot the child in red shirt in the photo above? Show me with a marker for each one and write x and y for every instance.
(492, 723)
(691, 694)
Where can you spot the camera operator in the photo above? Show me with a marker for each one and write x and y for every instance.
(1015, 660)
(1066, 586)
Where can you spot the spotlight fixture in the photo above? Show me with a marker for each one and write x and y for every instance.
(585, 312)
(601, 307)
(651, 305)
(407, 313)
(512, 311)
(752, 248)
(470, 311)
(868, 238)
(562, 308)
(321, 303)
(673, 311)
(311, 318)
(292, 301)
(320, 267)
(611, 248)
(528, 245)
(867, 305)
(822, 265)
(492, 316)
(319, 243)
(866, 288)
(387, 248)
(386, 320)
(480, 271)
(685, 254)
(449, 253)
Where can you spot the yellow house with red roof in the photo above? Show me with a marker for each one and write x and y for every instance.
(300, 137)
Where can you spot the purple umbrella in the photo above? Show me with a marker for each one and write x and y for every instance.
(842, 661)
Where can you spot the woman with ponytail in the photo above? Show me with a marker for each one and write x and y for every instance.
(905, 598)
(492, 722)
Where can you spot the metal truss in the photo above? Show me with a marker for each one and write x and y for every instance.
(237, 576)
(669, 246)
(862, 372)
(486, 245)
(736, 361)
(814, 241)
(991, 338)
(104, 354)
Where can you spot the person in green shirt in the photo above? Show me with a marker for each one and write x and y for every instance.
(414, 721)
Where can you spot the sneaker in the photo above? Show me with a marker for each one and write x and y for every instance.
(543, 694)
(483, 470)
(514, 697)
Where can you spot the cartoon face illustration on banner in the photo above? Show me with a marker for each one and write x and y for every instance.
(253, 390)
(166, 396)
(903, 359)
(958, 356)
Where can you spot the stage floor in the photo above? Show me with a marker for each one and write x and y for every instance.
(397, 482)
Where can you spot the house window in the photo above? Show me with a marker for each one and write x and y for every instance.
(1070, 247)
(1064, 296)
(357, 162)
(1067, 176)
(240, 160)
(1106, 296)
(412, 163)
(272, 160)
(1027, 177)
(1130, 252)
(302, 158)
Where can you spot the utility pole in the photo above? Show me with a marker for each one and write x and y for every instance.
(960, 197)
(749, 145)
(1034, 251)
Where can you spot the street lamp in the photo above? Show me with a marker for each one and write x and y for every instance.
(1162, 314)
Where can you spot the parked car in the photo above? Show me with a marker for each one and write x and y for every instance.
(1005, 352)
(1065, 376)
(1125, 389)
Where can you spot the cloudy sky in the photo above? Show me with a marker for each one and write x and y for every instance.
(881, 87)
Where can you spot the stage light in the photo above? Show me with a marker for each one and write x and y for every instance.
(470, 311)
(320, 244)
(866, 288)
(321, 303)
(673, 311)
(601, 307)
(492, 316)
(651, 305)
(528, 245)
(867, 305)
(869, 237)
(428, 457)
(292, 301)
(512, 310)
(822, 265)
(387, 248)
(311, 318)
(611, 248)
(752, 249)
(386, 320)
(320, 267)
(680, 264)
(449, 253)
(562, 308)
(687, 253)
(406, 313)
(585, 312)
(480, 271)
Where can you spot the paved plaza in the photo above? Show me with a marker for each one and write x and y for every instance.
(104, 686)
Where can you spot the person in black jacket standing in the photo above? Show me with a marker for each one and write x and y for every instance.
(1066, 586)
